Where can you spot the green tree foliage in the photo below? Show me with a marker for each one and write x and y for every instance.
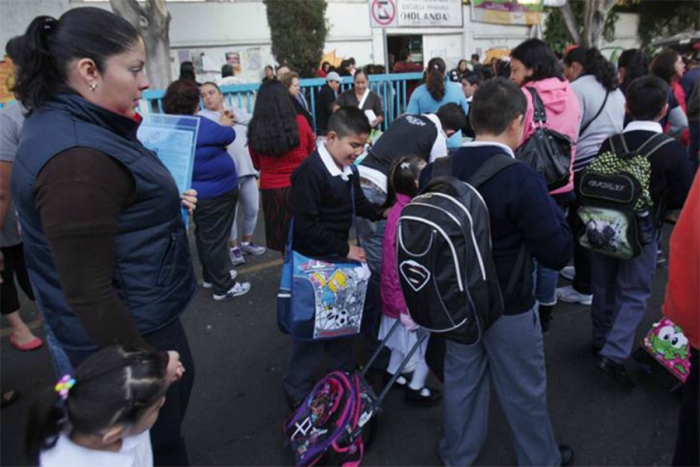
(556, 34)
(659, 19)
(298, 29)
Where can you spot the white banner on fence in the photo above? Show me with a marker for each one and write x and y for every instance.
(415, 13)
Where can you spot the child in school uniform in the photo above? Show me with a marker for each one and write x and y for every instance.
(323, 214)
(102, 414)
(403, 186)
(621, 288)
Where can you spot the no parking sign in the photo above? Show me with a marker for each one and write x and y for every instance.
(382, 13)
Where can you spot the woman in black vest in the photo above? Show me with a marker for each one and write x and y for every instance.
(105, 244)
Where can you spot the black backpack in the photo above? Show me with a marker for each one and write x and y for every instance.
(444, 254)
(547, 151)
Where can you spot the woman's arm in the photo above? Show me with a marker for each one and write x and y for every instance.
(79, 195)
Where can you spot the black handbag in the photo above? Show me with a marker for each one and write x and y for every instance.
(547, 151)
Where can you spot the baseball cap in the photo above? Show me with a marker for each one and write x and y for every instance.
(333, 76)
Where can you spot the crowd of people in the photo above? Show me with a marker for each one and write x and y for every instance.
(112, 274)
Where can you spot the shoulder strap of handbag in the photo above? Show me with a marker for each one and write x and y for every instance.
(600, 110)
(539, 114)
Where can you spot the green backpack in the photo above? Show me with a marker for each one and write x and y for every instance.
(616, 207)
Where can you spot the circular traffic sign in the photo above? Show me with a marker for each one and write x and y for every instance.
(383, 11)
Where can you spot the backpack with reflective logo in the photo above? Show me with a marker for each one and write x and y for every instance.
(444, 254)
(616, 208)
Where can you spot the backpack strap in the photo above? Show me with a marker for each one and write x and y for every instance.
(442, 167)
(655, 143)
(490, 168)
(620, 138)
(539, 114)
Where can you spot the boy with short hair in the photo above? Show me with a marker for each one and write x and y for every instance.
(510, 353)
(323, 214)
(621, 288)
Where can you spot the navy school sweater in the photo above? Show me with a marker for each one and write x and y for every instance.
(520, 211)
(323, 211)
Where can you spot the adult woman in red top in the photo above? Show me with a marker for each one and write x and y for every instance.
(278, 140)
(668, 65)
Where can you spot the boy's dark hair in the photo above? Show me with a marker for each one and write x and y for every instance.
(663, 65)
(646, 97)
(475, 57)
(187, 71)
(472, 78)
(451, 117)
(273, 130)
(403, 175)
(181, 97)
(539, 56)
(227, 70)
(349, 121)
(497, 102)
(49, 45)
(594, 63)
(113, 386)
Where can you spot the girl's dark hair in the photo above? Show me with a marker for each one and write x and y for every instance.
(435, 78)
(181, 98)
(50, 45)
(538, 56)
(636, 64)
(187, 71)
(113, 386)
(273, 130)
(663, 65)
(403, 178)
(595, 64)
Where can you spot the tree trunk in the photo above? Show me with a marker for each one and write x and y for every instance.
(153, 21)
(594, 22)
(570, 22)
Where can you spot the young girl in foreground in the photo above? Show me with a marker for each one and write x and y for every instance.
(101, 415)
(403, 186)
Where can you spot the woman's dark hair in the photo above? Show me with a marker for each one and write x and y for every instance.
(403, 178)
(14, 48)
(486, 73)
(435, 78)
(113, 386)
(361, 71)
(181, 98)
(273, 130)
(636, 64)
(663, 65)
(538, 56)
(210, 83)
(50, 45)
(187, 71)
(459, 63)
(595, 64)
(325, 66)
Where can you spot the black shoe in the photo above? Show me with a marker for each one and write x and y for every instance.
(595, 349)
(419, 398)
(617, 371)
(294, 402)
(545, 318)
(400, 383)
(567, 455)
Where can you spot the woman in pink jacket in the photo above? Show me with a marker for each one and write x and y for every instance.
(403, 186)
(533, 64)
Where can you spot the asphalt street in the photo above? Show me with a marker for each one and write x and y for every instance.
(238, 406)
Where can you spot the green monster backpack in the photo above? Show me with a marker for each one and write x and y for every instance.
(616, 207)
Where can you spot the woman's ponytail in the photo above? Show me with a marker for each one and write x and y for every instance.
(599, 66)
(37, 70)
(435, 78)
(47, 418)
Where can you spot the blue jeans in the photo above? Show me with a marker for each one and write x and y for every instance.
(371, 234)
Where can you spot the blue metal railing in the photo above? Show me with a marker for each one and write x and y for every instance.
(392, 88)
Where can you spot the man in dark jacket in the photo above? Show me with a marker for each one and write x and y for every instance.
(326, 97)
(510, 353)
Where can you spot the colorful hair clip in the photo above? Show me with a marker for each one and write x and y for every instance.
(64, 385)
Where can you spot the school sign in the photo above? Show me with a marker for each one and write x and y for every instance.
(415, 13)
